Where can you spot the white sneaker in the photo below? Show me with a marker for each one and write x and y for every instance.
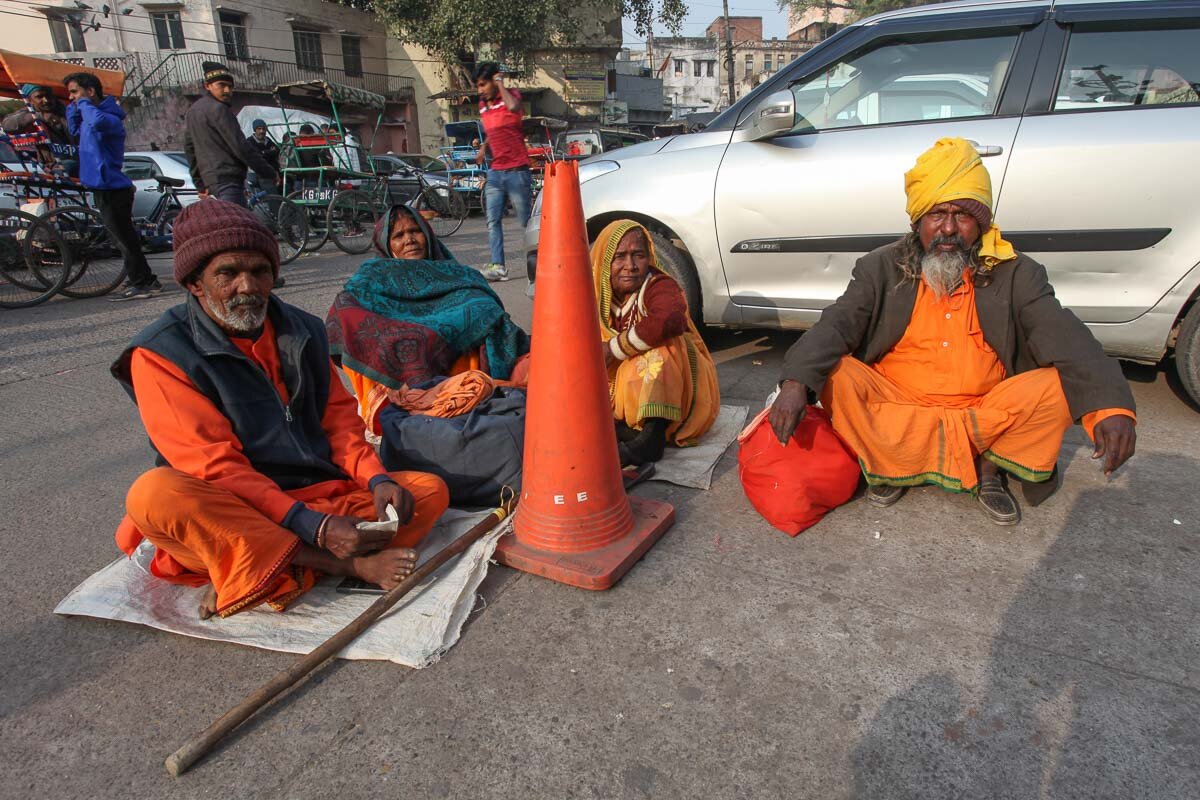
(495, 272)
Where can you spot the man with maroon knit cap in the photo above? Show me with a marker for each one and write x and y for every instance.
(262, 471)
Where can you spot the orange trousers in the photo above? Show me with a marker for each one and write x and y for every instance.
(205, 534)
(904, 439)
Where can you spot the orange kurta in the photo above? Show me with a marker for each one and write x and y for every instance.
(940, 398)
(213, 518)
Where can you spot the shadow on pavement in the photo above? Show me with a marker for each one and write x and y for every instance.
(1090, 688)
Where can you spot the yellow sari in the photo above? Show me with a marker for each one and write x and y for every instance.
(677, 380)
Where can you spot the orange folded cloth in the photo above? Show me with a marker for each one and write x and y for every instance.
(456, 395)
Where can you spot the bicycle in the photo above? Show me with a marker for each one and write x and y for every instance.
(282, 217)
(441, 205)
(35, 262)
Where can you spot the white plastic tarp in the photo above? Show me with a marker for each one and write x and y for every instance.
(415, 633)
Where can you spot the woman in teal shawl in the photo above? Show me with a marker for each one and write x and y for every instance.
(416, 313)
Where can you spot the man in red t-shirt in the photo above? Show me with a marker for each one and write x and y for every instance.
(508, 176)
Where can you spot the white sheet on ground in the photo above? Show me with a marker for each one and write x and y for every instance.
(415, 633)
(693, 466)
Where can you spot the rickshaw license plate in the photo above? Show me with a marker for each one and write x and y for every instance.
(318, 195)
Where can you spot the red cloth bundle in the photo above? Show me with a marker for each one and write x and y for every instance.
(794, 486)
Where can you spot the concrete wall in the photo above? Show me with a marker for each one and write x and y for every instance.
(430, 76)
(810, 22)
(24, 30)
(742, 28)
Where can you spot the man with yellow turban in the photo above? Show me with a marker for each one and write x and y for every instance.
(948, 359)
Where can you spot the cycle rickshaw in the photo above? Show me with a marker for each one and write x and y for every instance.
(55, 241)
(328, 175)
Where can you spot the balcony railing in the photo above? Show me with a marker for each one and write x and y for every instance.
(146, 72)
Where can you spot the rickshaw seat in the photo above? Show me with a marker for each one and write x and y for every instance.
(163, 180)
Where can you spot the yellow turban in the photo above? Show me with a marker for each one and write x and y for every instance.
(951, 170)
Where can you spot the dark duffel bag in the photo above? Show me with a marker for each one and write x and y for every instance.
(477, 454)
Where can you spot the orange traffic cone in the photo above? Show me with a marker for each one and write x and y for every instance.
(574, 523)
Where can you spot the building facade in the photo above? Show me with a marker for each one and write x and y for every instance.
(162, 44)
(638, 99)
(690, 70)
(754, 58)
(816, 23)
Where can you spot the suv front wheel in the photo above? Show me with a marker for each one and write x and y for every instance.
(1187, 353)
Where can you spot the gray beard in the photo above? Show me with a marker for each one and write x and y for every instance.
(238, 315)
(943, 272)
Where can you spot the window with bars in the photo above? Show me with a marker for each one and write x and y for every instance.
(308, 50)
(749, 64)
(679, 64)
(168, 30)
(67, 34)
(766, 62)
(710, 66)
(697, 69)
(352, 56)
(233, 36)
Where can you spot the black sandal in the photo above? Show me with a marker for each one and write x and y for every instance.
(997, 502)
(883, 495)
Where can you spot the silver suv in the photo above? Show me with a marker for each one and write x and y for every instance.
(1087, 115)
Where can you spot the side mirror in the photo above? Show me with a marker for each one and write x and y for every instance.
(775, 116)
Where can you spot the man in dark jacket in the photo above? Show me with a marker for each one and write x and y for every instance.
(98, 123)
(266, 148)
(948, 358)
(218, 153)
(263, 473)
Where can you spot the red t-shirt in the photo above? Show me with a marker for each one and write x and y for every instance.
(505, 138)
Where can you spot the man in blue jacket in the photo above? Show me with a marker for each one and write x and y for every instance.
(98, 123)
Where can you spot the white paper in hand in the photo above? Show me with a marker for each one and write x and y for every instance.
(391, 525)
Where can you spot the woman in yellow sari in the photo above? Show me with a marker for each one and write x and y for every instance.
(661, 379)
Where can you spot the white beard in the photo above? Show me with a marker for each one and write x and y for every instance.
(239, 315)
(943, 272)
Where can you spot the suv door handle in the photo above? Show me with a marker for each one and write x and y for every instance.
(986, 150)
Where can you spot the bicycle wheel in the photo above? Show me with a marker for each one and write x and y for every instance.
(287, 221)
(316, 221)
(443, 208)
(166, 224)
(34, 260)
(97, 264)
(352, 216)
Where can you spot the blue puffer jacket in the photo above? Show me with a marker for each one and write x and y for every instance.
(100, 131)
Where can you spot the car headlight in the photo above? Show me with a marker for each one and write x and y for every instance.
(594, 169)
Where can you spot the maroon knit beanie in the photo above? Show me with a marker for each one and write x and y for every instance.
(212, 226)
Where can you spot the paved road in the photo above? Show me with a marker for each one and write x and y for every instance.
(947, 658)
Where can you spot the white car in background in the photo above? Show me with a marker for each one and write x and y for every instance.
(1087, 115)
(142, 167)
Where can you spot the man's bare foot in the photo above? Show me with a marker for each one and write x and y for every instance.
(387, 568)
(208, 603)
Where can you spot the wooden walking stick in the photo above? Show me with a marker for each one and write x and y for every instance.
(183, 758)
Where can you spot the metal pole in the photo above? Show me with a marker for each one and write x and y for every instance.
(729, 51)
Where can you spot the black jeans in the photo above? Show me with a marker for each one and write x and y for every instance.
(116, 211)
(233, 192)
